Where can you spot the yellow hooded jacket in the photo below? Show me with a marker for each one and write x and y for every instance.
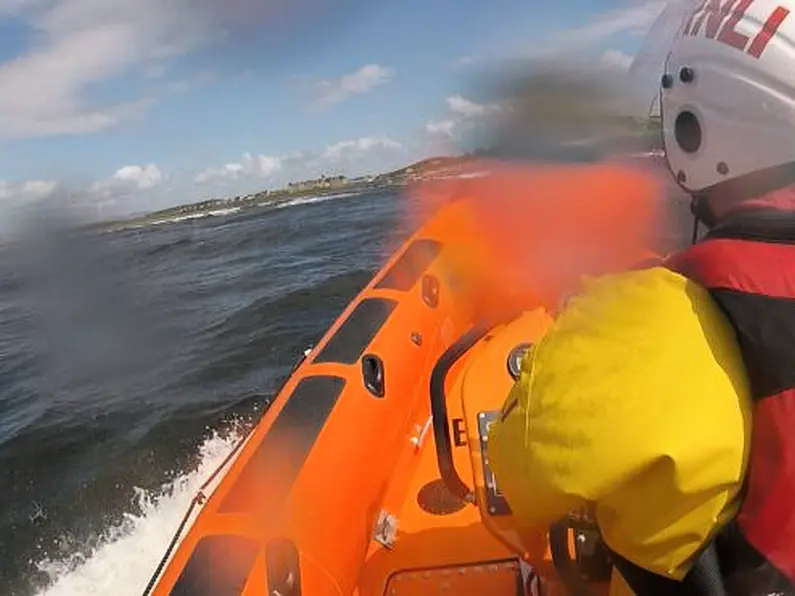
(636, 402)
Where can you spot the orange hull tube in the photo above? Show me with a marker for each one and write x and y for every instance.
(337, 491)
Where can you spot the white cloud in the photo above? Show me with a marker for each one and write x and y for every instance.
(464, 115)
(230, 170)
(303, 164)
(268, 165)
(343, 149)
(143, 177)
(440, 127)
(615, 59)
(78, 44)
(259, 165)
(126, 181)
(330, 91)
(132, 188)
(28, 189)
(636, 19)
(469, 109)
(234, 169)
(38, 188)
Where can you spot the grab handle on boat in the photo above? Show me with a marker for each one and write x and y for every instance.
(373, 375)
(283, 568)
(441, 426)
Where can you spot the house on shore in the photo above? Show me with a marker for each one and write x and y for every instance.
(322, 183)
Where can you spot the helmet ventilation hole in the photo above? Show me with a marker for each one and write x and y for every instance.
(687, 132)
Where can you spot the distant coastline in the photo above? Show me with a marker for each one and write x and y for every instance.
(640, 136)
(323, 186)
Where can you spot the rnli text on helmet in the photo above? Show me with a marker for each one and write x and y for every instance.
(722, 18)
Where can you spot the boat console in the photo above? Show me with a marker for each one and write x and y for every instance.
(462, 413)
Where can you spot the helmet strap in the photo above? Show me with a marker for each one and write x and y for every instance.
(702, 213)
(694, 237)
(726, 195)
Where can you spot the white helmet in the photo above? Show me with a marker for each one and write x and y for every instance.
(727, 91)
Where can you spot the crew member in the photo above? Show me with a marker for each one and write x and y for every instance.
(665, 398)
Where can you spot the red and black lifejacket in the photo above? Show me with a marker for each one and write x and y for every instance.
(748, 265)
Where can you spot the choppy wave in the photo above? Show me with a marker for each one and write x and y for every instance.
(128, 553)
(315, 199)
(305, 200)
(203, 214)
(162, 333)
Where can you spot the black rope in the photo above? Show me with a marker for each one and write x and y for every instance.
(198, 500)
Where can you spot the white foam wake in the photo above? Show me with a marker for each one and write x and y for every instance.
(308, 200)
(128, 555)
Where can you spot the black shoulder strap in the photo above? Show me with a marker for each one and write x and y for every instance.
(703, 579)
(762, 225)
(745, 570)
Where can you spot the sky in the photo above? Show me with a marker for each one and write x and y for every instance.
(126, 106)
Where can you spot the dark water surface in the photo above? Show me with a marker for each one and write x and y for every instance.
(121, 353)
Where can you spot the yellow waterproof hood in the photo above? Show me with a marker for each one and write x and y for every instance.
(636, 401)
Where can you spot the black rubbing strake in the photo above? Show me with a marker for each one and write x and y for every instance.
(348, 343)
(407, 270)
(218, 566)
(302, 418)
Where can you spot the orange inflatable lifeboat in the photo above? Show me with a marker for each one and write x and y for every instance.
(369, 475)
